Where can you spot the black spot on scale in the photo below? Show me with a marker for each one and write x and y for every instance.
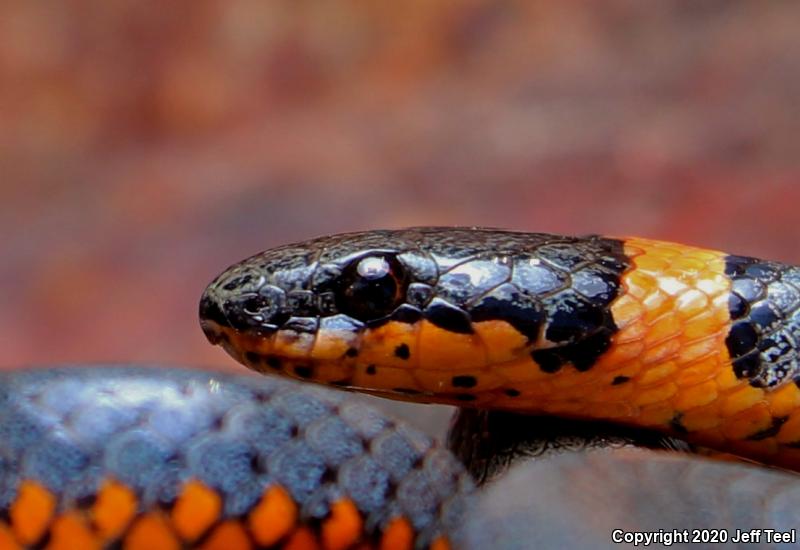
(217, 423)
(677, 424)
(464, 397)
(772, 431)
(252, 357)
(449, 317)
(582, 354)
(511, 392)
(273, 362)
(464, 381)
(371, 370)
(303, 371)
(620, 380)
(44, 541)
(402, 351)
(85, 502)
(351, 352)
(548, 360)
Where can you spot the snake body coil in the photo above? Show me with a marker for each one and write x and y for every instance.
(151, 459)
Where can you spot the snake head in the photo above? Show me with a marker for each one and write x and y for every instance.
(306, 309)
(425, 313)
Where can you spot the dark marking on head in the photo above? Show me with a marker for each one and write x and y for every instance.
(772, 431)
(303, 371)
(511, 392)
(449, 317)
(584, 353)
(507, 303)
(620, 380)
(402, 351)
(464, 381)
(572, 319)
(236, 282)
(578, 318)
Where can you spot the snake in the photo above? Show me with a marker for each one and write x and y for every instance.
(524, 332)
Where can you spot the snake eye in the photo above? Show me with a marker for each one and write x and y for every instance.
(371, 287)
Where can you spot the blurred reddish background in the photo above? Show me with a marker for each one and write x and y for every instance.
(146, 146)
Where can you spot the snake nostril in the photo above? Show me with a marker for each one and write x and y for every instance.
(255, 305)
(258, 313)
